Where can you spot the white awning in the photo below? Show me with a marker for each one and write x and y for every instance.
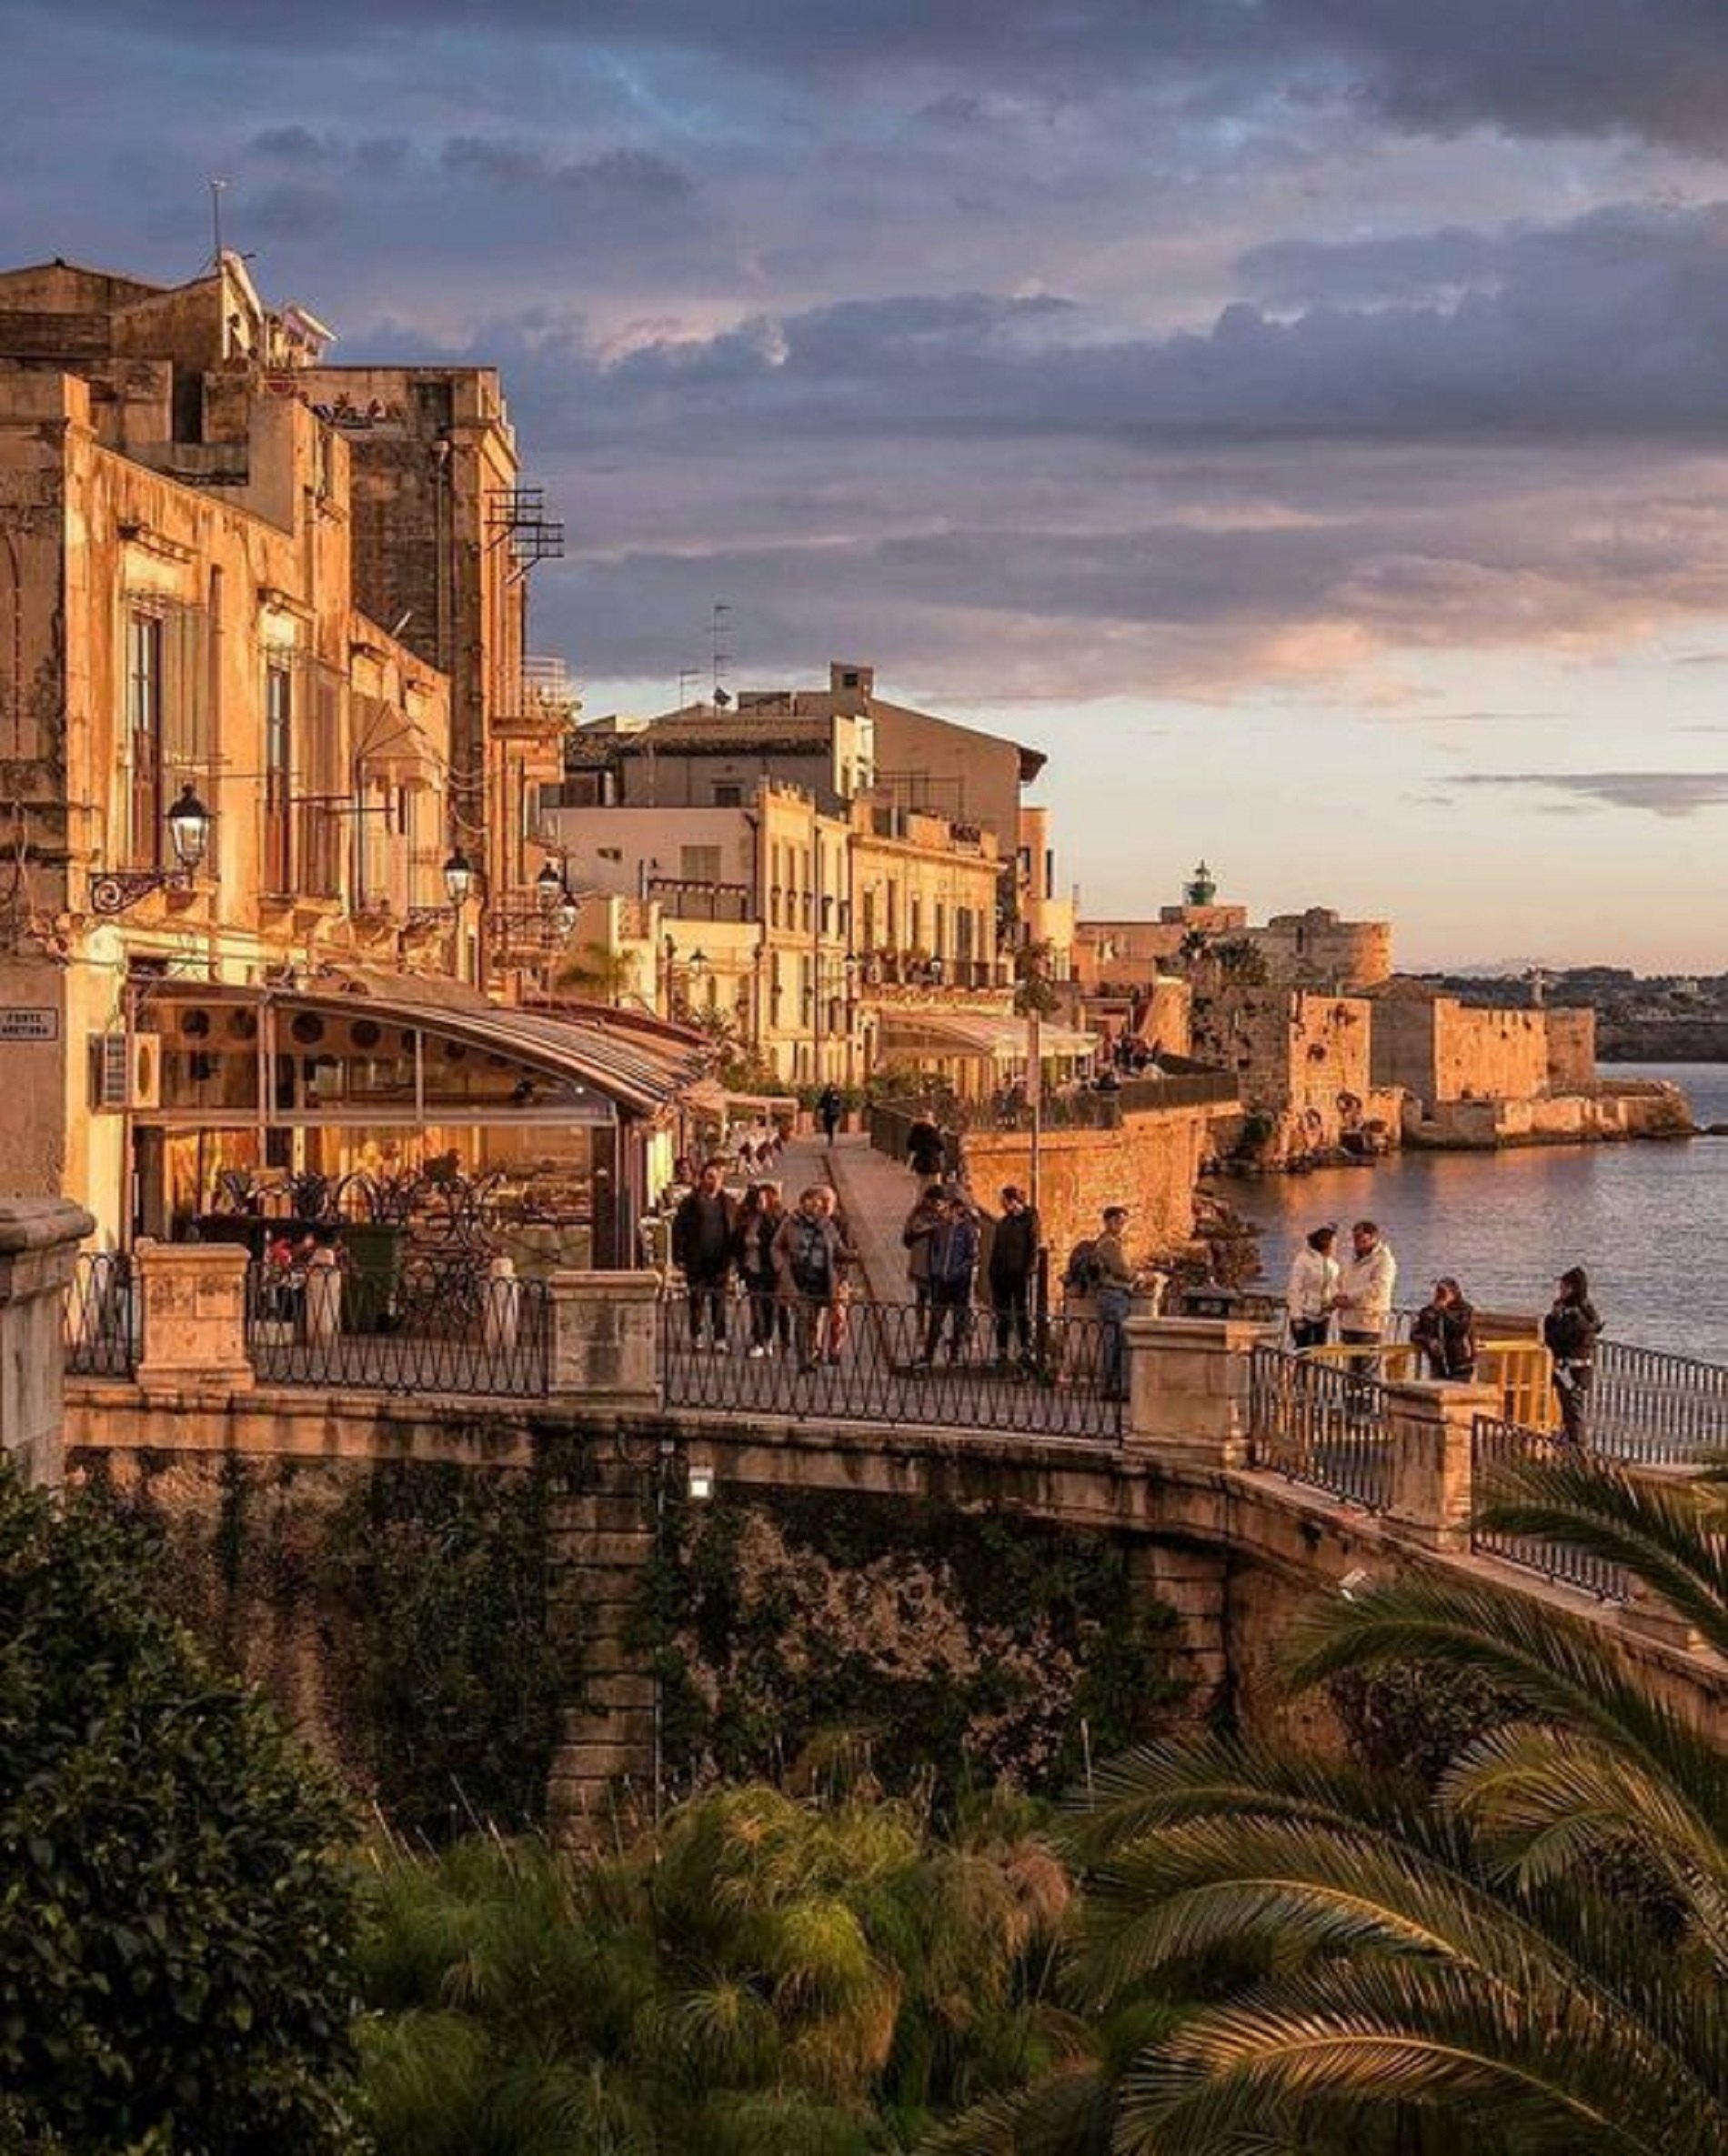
(977, 1034)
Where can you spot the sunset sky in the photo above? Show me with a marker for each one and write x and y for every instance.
(1305, 419)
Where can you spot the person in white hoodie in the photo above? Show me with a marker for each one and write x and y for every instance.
(1311, 1290)
(1365, 1285)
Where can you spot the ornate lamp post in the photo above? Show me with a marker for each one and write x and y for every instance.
(188, 822)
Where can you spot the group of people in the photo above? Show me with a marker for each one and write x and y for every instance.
(944, 1243)
(792, 1266)
(1355, 1293)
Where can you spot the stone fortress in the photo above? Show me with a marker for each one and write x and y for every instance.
(1335, 1052)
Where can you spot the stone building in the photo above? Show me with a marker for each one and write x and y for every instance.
(225, 776)
(832, 900)
(1302, 1062)
(1316, 948)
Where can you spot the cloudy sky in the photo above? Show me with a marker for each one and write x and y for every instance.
(1306, 419)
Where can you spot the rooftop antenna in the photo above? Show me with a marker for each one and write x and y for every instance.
(719, 622)
(688, 678)
(218, 188)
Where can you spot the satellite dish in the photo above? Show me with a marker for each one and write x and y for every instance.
(722, 697)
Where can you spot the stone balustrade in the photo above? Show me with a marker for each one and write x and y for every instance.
(39, 1238)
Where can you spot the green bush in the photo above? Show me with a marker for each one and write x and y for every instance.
(176, 1910)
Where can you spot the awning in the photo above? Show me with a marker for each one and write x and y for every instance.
(709, 1098)
(974, 1033)
(630, 1072)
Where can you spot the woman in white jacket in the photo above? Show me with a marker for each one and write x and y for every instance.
(1312, 1290)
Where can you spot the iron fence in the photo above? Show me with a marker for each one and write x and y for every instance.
(892, 1363)
(432, 1328)
(1322, 1424)
(101, 1317)
(1498, 1446)
(1658, 1409)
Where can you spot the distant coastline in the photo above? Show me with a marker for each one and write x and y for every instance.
(1663, 1040)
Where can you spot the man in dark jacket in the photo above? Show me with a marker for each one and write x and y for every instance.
(924, 1147)
(1012, 1265)
(953, 1268)
(703, 1231)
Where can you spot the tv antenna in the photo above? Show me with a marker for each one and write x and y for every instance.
(720, 622)
(218, 187)
(688, 678)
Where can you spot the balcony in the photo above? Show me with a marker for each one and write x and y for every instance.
(543, 705)
(689, 899)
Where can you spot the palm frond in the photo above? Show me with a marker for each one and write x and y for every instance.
(1563, 1670)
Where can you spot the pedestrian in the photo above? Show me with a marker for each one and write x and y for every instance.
(921, 1224)
(703, 1231)
(1113, 1281)
(1570, 1332)
(953, 1269)
(1445, 1331)
(829, 1109)
(1364, 1299)
(1311, 1290)
(924, 1146)
(837, 1325)
(1013, 1263)
(807, 1265)
(759, 1221)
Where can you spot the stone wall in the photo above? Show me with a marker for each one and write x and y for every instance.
(1316, 946)
(1441, 1051)
(1571, 1048)
(1151, 1165)
(1301, 1059)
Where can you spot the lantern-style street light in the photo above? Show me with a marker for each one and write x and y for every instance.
(458, 879)
(189, 823)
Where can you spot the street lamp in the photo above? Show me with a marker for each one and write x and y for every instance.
(549, 890)
(458, 879)
(188, 822)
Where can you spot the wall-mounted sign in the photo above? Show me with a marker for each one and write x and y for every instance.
(18, 1022)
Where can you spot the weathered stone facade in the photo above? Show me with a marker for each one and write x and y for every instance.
(1302, 1060)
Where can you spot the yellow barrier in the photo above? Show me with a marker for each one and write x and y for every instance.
(1520, 1367)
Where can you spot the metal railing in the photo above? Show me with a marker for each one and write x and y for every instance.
(1654, 1408)
(435, 1328)
(102, 1317)
(1327, 1426)
(893, 1363)
(1496, 1447)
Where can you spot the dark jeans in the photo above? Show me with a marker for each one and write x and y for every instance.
(1571, 1390)
(706, 1291)
(950, 1306)
(1012, 1301)
(1309, 1332)
(1112, 1319)
(769, 1318)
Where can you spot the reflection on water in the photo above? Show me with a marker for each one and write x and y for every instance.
(1649, 1221)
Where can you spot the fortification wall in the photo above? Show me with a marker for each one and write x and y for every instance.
(1572, 1049)
(1151, 1165)
(1300, 1057)
(1316, 946)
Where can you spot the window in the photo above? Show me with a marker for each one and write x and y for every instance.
(278, 779)
(728, 797)
(144, 806)
(699, 864)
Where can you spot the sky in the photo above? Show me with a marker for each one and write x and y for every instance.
(1306, 420)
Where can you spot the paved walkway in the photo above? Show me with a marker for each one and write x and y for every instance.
(876, 1194)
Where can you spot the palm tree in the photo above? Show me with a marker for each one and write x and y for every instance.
(1530, 1960)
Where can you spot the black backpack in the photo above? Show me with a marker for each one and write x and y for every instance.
(1084, 1272)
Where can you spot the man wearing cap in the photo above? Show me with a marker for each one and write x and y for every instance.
(1013, 1261)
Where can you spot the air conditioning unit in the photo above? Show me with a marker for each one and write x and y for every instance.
(126, 1069)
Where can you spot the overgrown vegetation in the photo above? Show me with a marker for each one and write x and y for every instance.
(969, 1646)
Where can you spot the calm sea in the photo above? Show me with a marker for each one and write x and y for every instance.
(1650, 1222)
